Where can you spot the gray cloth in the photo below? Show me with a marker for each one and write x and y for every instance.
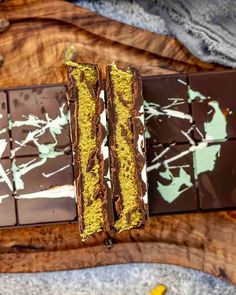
(127, 11)
(206, 27)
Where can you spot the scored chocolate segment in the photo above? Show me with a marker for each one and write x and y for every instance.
(171, 179)
(4, 132)
(7, 203)
(167, 113)
(216, 172)
(44, 189)
(213, 100)
(39, 120)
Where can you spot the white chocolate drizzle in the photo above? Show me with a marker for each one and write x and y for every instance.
(56, 192)
(55, 172)
(140, 147)
(104, 148)
(3, 197)
(3, 174)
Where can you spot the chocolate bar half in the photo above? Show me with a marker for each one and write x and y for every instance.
(127, 146)
(91, 162)
(36, 173)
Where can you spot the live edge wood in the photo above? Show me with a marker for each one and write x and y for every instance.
(32, 49)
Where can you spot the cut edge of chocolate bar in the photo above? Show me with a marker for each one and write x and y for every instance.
(90, 153)
(127, 147)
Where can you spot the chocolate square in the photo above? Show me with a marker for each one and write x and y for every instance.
(39, 117)
(213, 99)
(167, 112)
(4, 132)
(45, 190)
(216, 171)
(7, 202)
(171, 179)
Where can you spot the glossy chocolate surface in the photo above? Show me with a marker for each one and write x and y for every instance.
(45, 191)
(216, 169)
(39, 115)
(166, 108)
(171, 180)
(213, 99)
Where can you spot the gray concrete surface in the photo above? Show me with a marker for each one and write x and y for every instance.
(129, 279)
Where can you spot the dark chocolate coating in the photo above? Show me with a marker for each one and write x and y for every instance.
(38, 101)
(40, 210)
(4, 122)
(217, 188)
(220, 87)
(7, 205)
(162, 90)
(185, 201)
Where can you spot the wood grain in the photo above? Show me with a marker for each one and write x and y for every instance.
(202, 241)
(100, 26)
(32, 48)
(41, 45)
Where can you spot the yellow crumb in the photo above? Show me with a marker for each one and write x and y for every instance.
(158, 290)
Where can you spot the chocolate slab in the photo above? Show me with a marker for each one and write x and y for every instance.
(216, 171)
(90, 152)
(127, 146)
(44, 189)
(213, 99)
(7, 203)
(167, 111)
(171, 180)
(39, 117)
(4, 132)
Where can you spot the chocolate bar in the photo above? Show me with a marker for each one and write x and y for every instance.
(191, 161)
(90, 153)
(127, 147)
(36, 183)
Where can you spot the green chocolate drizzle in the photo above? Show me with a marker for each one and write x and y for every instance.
(173, 190)
(216, 128)
(192, 95)
(205, 158)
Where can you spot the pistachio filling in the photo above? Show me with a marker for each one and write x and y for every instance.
(92, 207)
(123, 100)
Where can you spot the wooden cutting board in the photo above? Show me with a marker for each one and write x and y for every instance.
(32, 49)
